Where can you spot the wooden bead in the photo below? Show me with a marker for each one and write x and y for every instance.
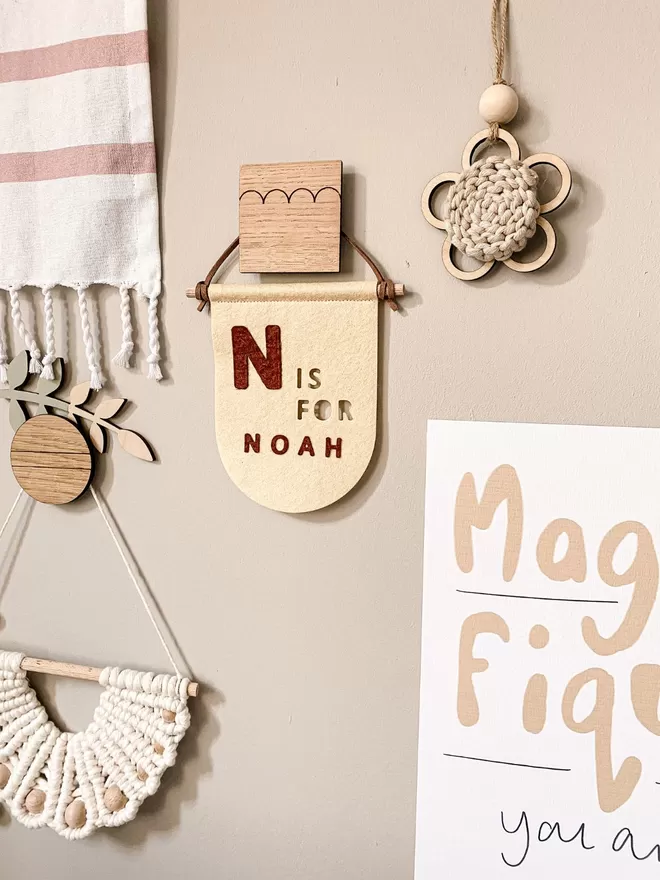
(115, 799)
(169, 716)
(5, 774)
(499, 103)
(142, 774)
(75, 814)
(35, 802)
(158, 749)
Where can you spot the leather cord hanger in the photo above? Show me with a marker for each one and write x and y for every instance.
(385, 288)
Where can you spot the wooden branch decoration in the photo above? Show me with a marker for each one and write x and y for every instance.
(50, 456)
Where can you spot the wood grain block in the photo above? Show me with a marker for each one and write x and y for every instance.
(51, 460)
(290, 217)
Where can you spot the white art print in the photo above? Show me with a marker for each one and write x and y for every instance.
(539, 748)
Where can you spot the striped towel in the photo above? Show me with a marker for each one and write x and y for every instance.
(78, 193)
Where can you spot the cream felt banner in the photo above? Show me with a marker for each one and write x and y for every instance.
(296, 376)
(539, 743)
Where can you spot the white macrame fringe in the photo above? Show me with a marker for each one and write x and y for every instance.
(49, 326)
(123, 356)
(95, 375)
(22, 330)
(4, 358)
(154, 340)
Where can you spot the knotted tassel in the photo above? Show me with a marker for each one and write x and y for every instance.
(123, 356)
(154, 340)
(95, 376)
(4, 360)
(49, 325)
(23, 332)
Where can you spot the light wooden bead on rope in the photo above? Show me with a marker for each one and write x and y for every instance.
(74, 670)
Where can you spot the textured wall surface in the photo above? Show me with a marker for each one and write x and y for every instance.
(305, 629)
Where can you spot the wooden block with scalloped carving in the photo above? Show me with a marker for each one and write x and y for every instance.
(290, 217)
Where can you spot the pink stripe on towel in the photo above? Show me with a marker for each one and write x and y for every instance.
(114, 50)
(90, 159)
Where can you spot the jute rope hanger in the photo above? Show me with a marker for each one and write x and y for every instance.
(92, 673)
(499, 31)
(386, 289)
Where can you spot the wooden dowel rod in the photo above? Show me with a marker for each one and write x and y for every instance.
(73, 670)
(399, 290)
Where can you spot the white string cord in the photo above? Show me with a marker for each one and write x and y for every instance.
(136, 584)
(123, 356)
(154, 340)
(4, 358)
(95, 376)
(23, 332)
(49, 325)
(11, 513)
(127, 564)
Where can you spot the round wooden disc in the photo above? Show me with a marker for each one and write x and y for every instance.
(51, 460)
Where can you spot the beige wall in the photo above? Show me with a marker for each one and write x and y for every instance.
(305, 629)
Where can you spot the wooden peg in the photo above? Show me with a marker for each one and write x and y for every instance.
(399, 290)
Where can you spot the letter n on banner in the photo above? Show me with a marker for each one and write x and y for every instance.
(245, 350)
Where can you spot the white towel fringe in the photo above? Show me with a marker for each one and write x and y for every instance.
(123, 356)
(154, 340)
(95, 375)
(4, 359)
(44, 366)
(49, 325)
(22, 330)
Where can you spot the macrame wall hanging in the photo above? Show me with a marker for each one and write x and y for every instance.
(296, 364)
(77, 783)
(492, 208)
(78, 192)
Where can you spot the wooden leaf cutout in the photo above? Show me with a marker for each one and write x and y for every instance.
(17, 371)
(97, 436)
(135, 445)
(46, 387)
(16, 415)
(79, 394)
(108, 408)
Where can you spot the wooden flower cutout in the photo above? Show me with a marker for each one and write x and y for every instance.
(50, 456)
(492, 209)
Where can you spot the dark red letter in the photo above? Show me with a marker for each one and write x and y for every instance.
(284, 445)
(252, 443)
(268, 366)
(329, 446)
(306, 446)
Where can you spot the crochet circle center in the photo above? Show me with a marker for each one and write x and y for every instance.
(493, 208)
